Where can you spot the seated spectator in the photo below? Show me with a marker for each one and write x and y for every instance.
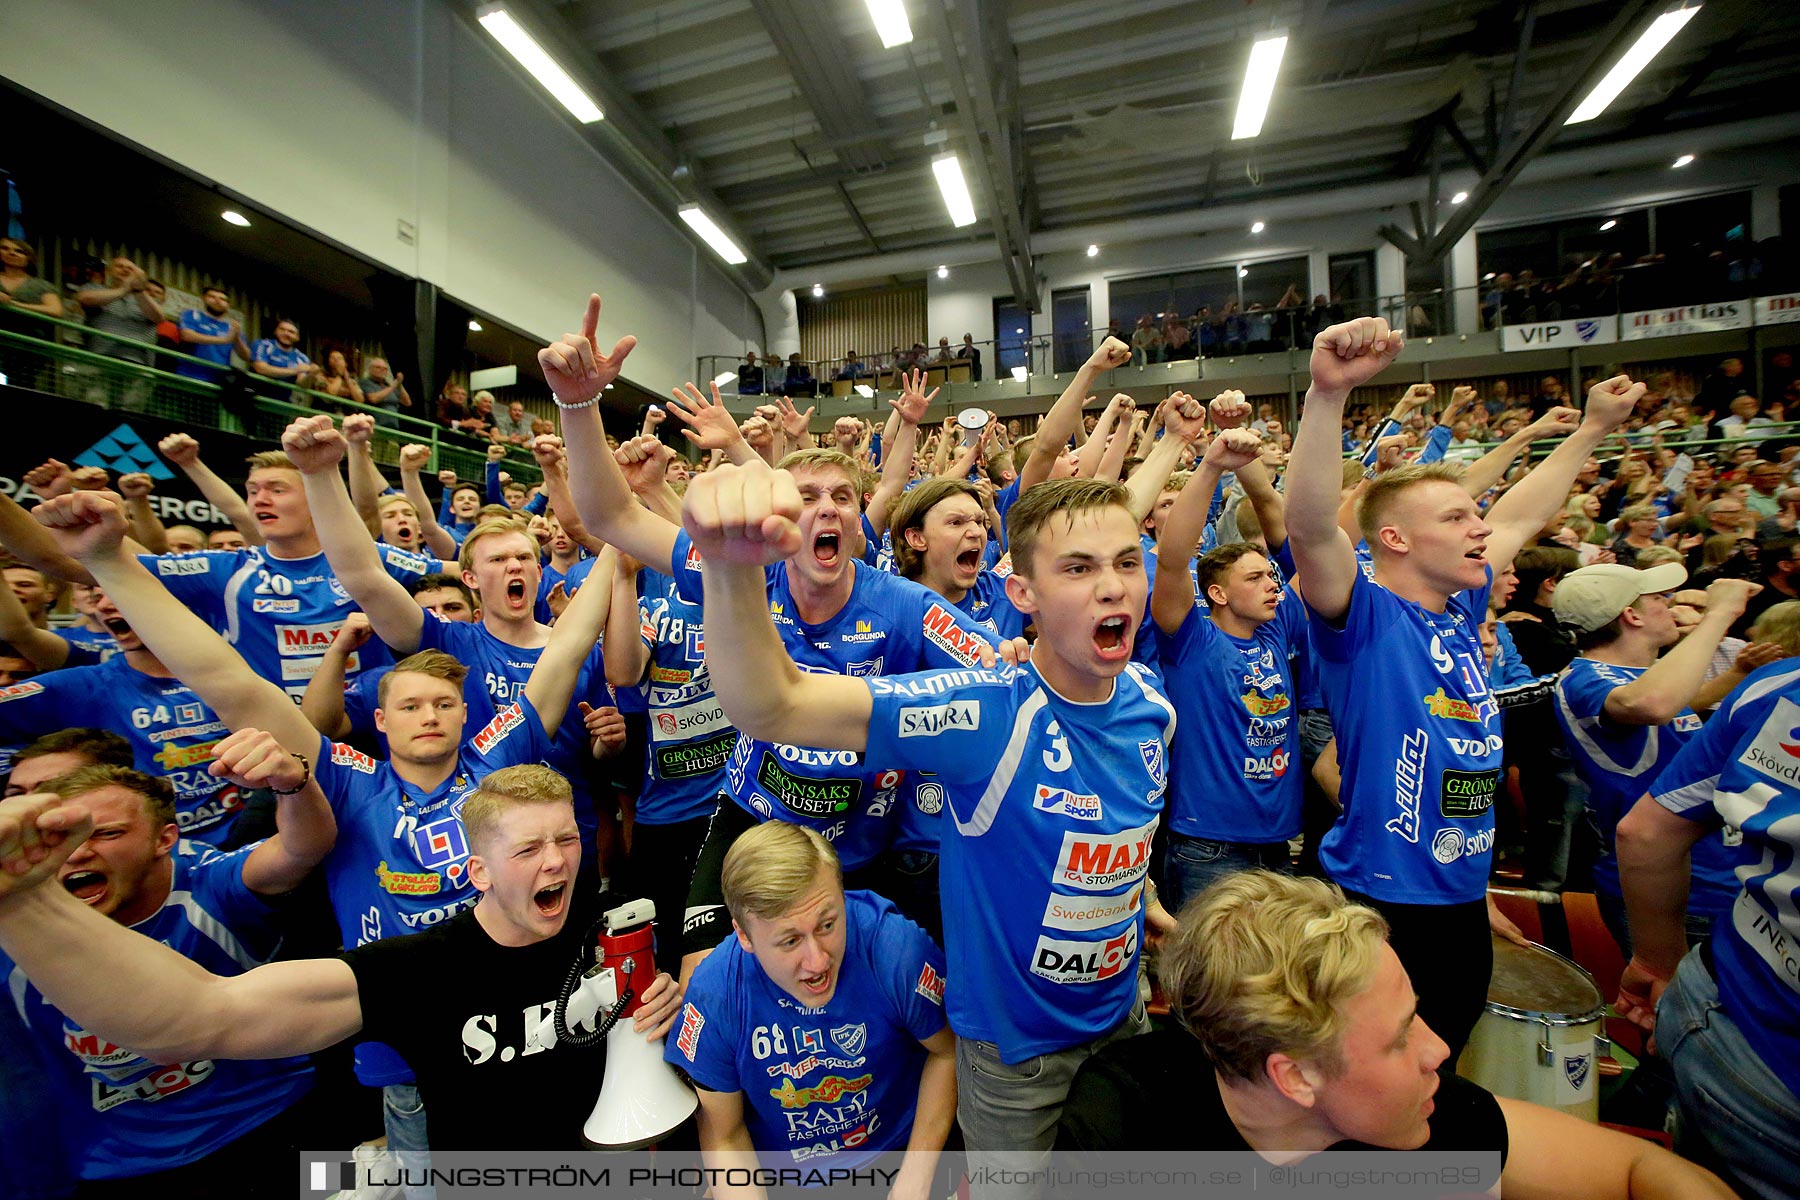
(20, 289)
(336, 380)
(208, 332)
(512, 427)
(973, 355)
(121, 306)
(750, 376)
(1146, 342)
(852, 367)
(279, 357)
(1299, 1032)
(383, 389)
(799, 380)
(1745, 415)
(478, 423)
(945, 354)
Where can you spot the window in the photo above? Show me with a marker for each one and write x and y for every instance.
(1352, 283)
(1071, 327)
(1012, 337)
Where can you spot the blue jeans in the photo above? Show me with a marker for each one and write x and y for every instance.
(403, 1116)
(1193, 863)
(1732, 1113)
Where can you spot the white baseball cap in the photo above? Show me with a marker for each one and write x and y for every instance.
(1589, 598)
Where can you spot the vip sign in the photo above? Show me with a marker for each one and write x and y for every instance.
(1688, 318)
(1778, 310)
(1560, 335)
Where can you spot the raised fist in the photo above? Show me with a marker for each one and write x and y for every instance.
(447, 477)
(1229, 409)
(359, 428)
(1611, 402)
(89, 479)
(1110, 354)
(252, 758)
(745, 514)
(37, 835)
(495, 452)
(50, 479)
(1234, 449)
(180, 449)
(414, 457)
(547, 449)
(314, 444)
(1348, 355)
(136, 486)
(84, 524)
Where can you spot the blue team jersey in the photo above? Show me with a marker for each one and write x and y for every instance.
(1620, 763)
(627, 700)
(888, 626)
(688, 737)
(498, 673)
(219, 352)
(1053, 806)
(102, 643)
(272, 352)
(988, 605)
(838, 1083)
(122, 1115)
(1236, 767)
(362, 696)
(280, 613)
(1742, 771)
(1418, 736)
(401, 859)
(171, 730)
(1004, 499)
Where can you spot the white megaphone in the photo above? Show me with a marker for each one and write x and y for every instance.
(642, 1099)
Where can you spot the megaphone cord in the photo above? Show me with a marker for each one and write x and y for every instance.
(560, 1014)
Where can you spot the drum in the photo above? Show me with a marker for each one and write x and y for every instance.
(1542, 1034)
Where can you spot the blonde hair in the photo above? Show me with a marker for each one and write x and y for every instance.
(532, 783)
(489, 527)
(434, 663)
(1027, 518)
(910, 513)
(1779, 623)
(387, 502)
(771, 866)
(1657, 555)
(1263, 963)
(1635, 512)
(158, 793)
(824, 456)
(270, 460)
(1177, 481)
(1384, 491)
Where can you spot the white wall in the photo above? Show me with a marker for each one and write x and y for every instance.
(347, 118)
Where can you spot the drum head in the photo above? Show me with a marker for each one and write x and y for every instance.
(1533, 979)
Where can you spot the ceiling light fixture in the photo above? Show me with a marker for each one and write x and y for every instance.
(534, 58)
(233, 217)
(1243, 272)
(474, 326)
(1648, 45)
(1093, 251)
(1459, 197)
(1259, 86)
(818, 291)
(943, 272)
(1257, 227)
(1683, 161)
(890, 20)
(712, 235)
(1606, 225)
(950, 181)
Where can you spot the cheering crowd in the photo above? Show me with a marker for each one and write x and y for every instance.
(918, 748)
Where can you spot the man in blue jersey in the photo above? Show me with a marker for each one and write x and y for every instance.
(816, 1035)
(171, 730)
(499, 561)
(465, 1002)
(836, 616)
(1236, 788)
(1401, 669)
(1053, 774)
(401, 863)
(1727, 1013)
(941, 537)
(209, 332)
(279, 603)
(1626, 712)
(164, 1123)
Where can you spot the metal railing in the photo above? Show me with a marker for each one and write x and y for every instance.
(240, 402)
(1491, 305)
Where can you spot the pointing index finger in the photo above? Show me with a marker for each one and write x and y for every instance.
(590, 320)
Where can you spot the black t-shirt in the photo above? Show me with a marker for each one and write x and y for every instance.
(1158, 1092)
(461, 1009)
